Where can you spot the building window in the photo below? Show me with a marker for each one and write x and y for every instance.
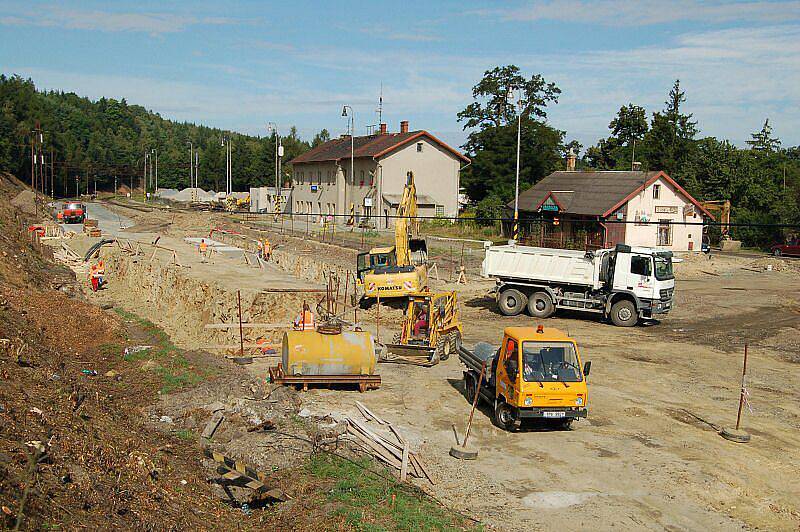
(419, 146)
(372, 178)
(362, 178)
(656, 191)
(664, 233)
(302, 176)
(440, 211)
(328, 177)
(319, 177)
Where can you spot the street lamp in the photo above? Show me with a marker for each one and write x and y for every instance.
(510, 95)
(226, 143)
(352, 117)
(191, 162)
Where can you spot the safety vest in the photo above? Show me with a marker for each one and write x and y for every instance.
(267, 246)
(203, 247)
(101, 269)
(306, 321)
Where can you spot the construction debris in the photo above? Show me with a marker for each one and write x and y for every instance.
(237, 473)
(380, 445)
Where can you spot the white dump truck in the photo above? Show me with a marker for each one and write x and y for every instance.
(624, 283)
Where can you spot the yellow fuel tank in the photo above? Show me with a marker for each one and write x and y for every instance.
(314, 353)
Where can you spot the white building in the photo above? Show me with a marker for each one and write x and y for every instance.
(262, 199)
(595, 209)
(322, 183)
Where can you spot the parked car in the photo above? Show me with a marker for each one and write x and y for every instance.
(791, 247)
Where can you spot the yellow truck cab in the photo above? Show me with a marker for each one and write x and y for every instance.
(536, 373)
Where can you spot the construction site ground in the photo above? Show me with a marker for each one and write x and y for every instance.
(647, 457)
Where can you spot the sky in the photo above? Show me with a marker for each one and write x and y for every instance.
(239, 64)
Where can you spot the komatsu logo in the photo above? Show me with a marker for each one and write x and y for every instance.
(387, 288)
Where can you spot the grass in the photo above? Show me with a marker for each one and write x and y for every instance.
(172, 366)
(186, 434)
(370, 502)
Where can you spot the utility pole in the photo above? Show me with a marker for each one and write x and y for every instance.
(155, 189)
(191, 157)
(115, 186)
(352, 117)
(77, 185)
(515, 230)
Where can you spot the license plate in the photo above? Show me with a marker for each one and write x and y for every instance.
(554, 414)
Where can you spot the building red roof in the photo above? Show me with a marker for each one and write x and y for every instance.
(374, 146)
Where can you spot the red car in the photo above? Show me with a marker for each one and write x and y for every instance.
(791, 247)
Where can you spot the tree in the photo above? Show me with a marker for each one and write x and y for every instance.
(492, 144)
(321, 138)
(763, 140)
(671, 137)
(492, 107)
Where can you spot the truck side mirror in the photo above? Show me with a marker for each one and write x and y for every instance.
(586, 368)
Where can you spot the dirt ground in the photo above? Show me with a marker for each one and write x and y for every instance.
(648, 456)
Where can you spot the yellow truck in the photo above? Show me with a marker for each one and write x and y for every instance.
(536, 373)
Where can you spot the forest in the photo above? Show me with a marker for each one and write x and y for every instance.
(106, 139)
(761, 179)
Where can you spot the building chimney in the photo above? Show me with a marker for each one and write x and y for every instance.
(404, 126)
(571, 158)
(383, 129)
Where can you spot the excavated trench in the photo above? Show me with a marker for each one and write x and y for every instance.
(183, 305)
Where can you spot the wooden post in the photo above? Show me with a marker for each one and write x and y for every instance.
(742, 394)
(241, 330)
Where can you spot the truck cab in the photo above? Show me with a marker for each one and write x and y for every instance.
(641, 276)
(536, 373)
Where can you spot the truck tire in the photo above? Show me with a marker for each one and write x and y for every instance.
(540, 305)
(511, 302)
(504, 416)
(470, 387)
(443, 347)
(623, 313)
(455, 341)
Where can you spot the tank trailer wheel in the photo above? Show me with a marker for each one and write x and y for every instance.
(540, 305)
(512, 301)
(623, 313)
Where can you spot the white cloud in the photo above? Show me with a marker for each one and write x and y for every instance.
(646, 12)
(106, 21)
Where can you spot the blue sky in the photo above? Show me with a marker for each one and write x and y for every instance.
(240, 64)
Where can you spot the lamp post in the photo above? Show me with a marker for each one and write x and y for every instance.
(155, 151)
(351, 115)
(191, 163)
(225, 143)
(511, 91)
(272, 126)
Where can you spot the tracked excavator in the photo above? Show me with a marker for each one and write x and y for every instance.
(401, 270)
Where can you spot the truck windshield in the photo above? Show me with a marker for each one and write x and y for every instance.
(550, 362)
(663, 268)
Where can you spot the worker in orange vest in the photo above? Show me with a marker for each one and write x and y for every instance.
(267, 249)
(95, 277)
(203, 247)
(305, 321)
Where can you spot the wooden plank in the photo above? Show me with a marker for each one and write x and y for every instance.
(247, 325)
(390, 446)
(378, 450)
(369, 413)
(212, 425)
(404, 463)
(424, 471)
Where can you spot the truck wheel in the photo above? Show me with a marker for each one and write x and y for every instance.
(623, 313)
(511, 302)
(455, 342)
(470, 387)
(504, 416)
(540, 305)
(443, 347)
(565, 424)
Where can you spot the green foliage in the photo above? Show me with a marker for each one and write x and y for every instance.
(710, 169)
(368, 501)
(171, 365)
(108, 138)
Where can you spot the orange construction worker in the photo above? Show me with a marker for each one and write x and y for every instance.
(260, 247)
(267, 249)
(95, 277)
(305, 321)
(203, 250)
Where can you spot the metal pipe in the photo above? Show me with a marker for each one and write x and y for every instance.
(743, 391)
